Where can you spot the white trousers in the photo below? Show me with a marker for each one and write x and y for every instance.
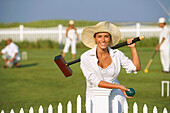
(116, 95)
(164, 55)
(67, 45)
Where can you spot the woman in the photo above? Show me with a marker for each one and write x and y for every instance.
(71, 39)
(101, 64)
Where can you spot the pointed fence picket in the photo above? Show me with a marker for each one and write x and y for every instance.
(145, 109)
(2, 111)
(69, 108)
(125, 107)
(155, 109)
(59, 108)
(50, 109)
(78, 104)
(165, 110)
(135, 108)
(21, 110)
(31, 110)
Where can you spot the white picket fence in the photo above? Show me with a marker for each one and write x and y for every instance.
(57, 33)
(100, 105)
(69, 109)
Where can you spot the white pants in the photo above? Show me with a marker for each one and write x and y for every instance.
(116, 95)
(67, 45)
(164, 55)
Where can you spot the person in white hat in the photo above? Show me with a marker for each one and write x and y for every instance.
(101, 64)
(163, 45)
(71, 39)
(11, 54)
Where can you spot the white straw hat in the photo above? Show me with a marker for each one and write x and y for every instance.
(161, 20)
(71, 22)
(88, 33)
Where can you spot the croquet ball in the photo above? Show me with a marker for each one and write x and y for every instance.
(131, 92)
(145, 71)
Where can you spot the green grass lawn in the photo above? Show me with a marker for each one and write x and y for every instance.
(40, 82)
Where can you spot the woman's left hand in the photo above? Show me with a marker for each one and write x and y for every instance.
(124, 89)
(129, 41)
(124, 92)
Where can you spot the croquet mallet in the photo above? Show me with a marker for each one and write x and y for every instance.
(64, 66)
(150, 61)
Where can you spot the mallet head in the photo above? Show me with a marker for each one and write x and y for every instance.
(59, 60)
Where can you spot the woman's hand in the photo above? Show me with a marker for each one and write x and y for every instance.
(124, 89)
(69, 38)
(11, 60)
(135, 56)
(157, 47)
(129, 41)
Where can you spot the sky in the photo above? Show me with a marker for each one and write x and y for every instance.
(90, 10)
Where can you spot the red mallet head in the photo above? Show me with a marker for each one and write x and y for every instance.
(59, 60)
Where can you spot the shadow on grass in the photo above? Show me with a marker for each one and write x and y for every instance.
(28, 65)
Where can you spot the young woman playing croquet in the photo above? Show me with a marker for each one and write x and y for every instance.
(101, 64)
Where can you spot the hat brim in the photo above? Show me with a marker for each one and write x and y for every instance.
(88, 33)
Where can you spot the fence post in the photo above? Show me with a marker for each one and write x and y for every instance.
(21, 27)
(137, 29)
(101, 104)
(60, 33)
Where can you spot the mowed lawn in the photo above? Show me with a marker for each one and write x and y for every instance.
(40, 82)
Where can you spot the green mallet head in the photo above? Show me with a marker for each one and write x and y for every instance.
(131, 92)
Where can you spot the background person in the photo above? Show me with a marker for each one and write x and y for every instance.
(163, 45)
(11, 54)
(71, 39)
(101, 64)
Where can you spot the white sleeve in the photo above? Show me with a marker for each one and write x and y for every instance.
(4, 50)
(15, 48)
(127, 63)
(165, 32)
(89, 74)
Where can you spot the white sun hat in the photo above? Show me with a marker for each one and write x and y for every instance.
(71, 22)
(88, 33)
(161, 20)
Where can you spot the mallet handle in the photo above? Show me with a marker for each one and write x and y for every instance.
(125, 43)
(115, 47)
(150, 61)
(73, 62)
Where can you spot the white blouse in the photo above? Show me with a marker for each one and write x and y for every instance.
(92, 72)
